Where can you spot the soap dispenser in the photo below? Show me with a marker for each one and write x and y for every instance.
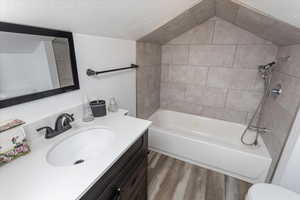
(87, 115)
(113, 105)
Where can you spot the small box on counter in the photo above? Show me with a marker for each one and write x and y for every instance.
(98, 108)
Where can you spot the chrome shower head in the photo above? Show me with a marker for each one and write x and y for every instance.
(266, 70)
(266, 67)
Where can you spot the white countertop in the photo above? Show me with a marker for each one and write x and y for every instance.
(32, 178)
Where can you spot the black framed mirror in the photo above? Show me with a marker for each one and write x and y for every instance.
(35, 63)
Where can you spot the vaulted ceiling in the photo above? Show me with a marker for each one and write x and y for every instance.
(127, 19)
(133, 19)
(250, 19)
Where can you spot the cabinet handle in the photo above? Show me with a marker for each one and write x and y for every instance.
(117, 195)
(133, 181)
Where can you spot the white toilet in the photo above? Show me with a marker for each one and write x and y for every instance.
(270, 192)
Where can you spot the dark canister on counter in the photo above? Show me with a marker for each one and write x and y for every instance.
(98, 108)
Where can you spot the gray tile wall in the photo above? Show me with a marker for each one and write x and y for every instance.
(279, 113)
(211, 70)
(148, 78)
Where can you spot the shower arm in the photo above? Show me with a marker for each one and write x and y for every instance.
(267, 66)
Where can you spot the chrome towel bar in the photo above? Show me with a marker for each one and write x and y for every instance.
(91, 72)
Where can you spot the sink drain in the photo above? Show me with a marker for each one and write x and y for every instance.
(78, 162)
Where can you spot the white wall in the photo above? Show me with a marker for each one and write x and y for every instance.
(287, 174)
(287, 11)
(91, 52)
(100, 53)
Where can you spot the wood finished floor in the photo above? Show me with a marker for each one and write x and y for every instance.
(172, 179)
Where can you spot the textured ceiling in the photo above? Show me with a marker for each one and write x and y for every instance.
(262, 25)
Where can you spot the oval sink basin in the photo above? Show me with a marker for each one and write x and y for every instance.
(86, 145)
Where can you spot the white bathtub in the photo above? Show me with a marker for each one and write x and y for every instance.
(209, 143)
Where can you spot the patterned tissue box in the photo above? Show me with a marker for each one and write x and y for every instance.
(12, 144)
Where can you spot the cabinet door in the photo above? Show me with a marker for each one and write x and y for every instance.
(135, 179)
(111, 193)
(122, 180)
(131, 185)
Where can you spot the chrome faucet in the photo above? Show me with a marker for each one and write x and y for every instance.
(62, 124)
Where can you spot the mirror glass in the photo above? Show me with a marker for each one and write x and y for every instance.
(32, 64)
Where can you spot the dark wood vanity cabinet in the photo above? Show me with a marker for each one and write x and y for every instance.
(127, 178)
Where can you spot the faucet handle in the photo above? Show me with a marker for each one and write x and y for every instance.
(68, 119)
(72, 117)
(49, 131)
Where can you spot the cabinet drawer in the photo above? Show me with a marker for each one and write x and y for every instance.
(125, 191)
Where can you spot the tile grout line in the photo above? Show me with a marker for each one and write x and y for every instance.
(206, 79)
(235, 56)
(226, 100)
(209, 67)
(230, 68)
(212, 39)
(185, 85)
